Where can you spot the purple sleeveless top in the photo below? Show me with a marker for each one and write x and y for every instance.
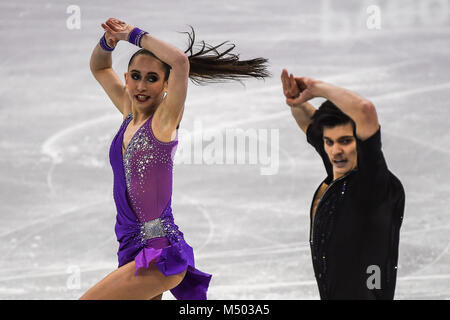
(145, 227)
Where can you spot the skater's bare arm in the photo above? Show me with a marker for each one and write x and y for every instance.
(101, 68)
(168, 116)
(172, 107)
(303, 111)
(361, 110)
(302, 114)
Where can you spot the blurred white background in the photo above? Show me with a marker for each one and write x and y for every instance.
(249, 230)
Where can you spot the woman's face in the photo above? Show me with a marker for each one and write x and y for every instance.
(145, 82)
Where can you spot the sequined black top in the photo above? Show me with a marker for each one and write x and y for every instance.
(354, 235)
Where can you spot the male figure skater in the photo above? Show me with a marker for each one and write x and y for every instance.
(357, 211)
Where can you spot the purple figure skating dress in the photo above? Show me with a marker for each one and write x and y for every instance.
(145, 226)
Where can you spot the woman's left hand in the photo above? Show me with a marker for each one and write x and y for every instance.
(118, 29)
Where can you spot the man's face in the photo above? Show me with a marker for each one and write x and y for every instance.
(340, 146)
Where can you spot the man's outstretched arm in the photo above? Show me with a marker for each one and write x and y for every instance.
(361, 110)
(299, 90)
(302, 112)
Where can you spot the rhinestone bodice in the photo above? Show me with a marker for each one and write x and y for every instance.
(148, 165)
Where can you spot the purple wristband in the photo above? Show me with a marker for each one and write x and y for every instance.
(104, 44)
(135, 36)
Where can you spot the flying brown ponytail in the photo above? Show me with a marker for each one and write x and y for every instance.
(209, 65)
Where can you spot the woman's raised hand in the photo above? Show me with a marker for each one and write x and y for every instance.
(297, 90)
(116, 30)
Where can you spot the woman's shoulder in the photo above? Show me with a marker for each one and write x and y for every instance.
(127, 113)
(155, 127)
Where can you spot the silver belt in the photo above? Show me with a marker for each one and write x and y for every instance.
(152, 229)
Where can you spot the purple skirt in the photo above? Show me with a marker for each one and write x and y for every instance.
(170, 260)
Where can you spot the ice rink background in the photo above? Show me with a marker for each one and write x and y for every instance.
(249, 230)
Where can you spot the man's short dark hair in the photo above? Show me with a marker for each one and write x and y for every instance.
(329, 115)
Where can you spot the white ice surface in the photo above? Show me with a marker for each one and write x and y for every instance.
(249, 230)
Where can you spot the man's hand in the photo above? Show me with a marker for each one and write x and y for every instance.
(290, 88)
(297, 90)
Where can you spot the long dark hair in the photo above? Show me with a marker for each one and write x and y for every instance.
(210, 65)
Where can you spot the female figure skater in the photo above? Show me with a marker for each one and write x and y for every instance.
(153, 255)
(357, 211)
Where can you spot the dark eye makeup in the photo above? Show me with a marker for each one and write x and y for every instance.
(151, 77)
